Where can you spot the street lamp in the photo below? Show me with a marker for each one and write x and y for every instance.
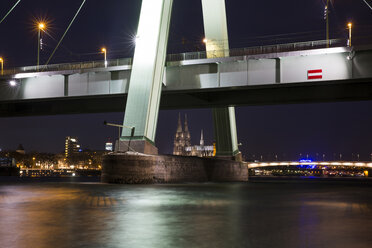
(104, 51)
(40, 26)
(2, 65)
(326, 16)
(349, 26)
(13, 83)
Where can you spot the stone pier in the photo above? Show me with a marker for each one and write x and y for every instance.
(137, 168)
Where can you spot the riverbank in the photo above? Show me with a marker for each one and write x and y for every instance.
(5, 180)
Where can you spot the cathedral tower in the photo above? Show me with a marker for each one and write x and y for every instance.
(179, 139)
(187, 133)
(201, 138)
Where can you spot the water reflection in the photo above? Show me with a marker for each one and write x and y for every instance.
(194, 215)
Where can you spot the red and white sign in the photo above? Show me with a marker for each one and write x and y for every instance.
(315, 74)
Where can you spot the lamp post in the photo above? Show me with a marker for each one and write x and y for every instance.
(2, 65)
(349, 26)
(326, 13)
(104, 51)
(120, 127)
(41, 26)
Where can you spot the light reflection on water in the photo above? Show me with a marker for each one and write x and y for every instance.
(192, 215)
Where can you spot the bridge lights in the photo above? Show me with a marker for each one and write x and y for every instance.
(349, 26)
(41, 26)
(13, 83)
(2, 65)
(104, 51)
(136, 39)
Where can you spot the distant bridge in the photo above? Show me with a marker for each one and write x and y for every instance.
(346, 164)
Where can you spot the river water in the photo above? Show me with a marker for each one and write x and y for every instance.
(255, 214)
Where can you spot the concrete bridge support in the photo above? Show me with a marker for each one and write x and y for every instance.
(217, 45)
(225, 133)
(147, 75)
(148, 69)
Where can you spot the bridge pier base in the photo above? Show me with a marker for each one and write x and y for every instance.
(134, 168)
(140, 146)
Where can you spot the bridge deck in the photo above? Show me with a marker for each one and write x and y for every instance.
(271, 78)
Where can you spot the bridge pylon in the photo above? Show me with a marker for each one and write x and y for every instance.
(146, 80)
(144, 93)
(217, 45)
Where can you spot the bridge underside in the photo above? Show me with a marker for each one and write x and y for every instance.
(294, 93)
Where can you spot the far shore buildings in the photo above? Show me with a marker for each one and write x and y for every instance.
(109, 147)
(182, 142)
(72, 146)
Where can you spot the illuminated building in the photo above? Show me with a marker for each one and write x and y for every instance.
(71, 146)
(182, 138)
(109, 146)
(182, 143)
(200, 150)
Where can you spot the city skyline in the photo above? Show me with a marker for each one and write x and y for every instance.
(314, 128)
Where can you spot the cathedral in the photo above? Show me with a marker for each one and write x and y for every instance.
(182, 142)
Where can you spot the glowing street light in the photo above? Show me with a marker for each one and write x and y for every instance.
(2, 65)
(136, 39)
(205, 40)
(104, 51)
(12, 83)
(349, 26)
(40, 27)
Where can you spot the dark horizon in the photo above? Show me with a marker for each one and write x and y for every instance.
(323, 128)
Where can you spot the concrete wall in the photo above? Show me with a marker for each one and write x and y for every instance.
(362, 64)
(133, 169)
(42, 87)
(78, 84)
(335, 66)
(34, 87)
(291, 69)
(98, 83)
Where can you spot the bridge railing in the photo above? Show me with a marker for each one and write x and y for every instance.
(69, 66)
(296, 46)
(279, 48)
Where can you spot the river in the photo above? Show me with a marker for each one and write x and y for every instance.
(255, 214)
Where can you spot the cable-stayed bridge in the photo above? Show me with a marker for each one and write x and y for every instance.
(220, 78)
(261, 75)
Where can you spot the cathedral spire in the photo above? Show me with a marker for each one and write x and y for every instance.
(187, 133)
(179, 127)
(201, 138)
(186, 125)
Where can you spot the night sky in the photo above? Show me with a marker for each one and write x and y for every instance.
(285, 130)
